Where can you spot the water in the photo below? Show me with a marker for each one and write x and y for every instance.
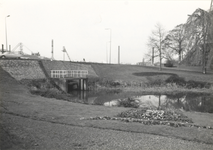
(187, 102)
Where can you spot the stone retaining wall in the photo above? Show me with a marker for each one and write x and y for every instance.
(23, 69)
(40, 69)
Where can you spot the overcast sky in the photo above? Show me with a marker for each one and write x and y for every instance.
(80, 26)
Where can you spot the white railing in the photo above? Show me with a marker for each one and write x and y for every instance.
(69, 73)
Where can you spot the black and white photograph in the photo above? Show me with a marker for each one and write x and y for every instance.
(106, 74)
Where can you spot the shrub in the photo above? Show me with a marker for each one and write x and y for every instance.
(129, 102)
(154, 82)
(169, 63)
(176, 79)
(38, 83)
(197, 84)
(189, 84)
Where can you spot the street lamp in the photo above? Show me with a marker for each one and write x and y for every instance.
(106, 52)
(110, 44)
(6, 30)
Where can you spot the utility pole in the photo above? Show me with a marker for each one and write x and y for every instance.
(6, 30)
(52, 58)
(106, 52)
(110, 46)
(2, 49)
(118, 54)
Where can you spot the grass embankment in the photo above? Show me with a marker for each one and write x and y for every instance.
(151, 80)
(140, 73)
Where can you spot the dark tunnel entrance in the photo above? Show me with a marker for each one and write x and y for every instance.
(76, 85)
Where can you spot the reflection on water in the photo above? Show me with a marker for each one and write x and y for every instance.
(188, 102)
(112, 103)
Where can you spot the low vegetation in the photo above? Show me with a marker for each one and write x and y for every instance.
(156, 83)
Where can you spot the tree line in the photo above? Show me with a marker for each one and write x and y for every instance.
(191, 41)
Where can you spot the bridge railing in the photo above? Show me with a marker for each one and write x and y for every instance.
(69, 73)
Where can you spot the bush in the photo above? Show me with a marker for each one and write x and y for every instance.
(154, 82)
(177, 80)
(169, 63)
(129, 102)
(38, 83)
(197, 84)
(189, 84)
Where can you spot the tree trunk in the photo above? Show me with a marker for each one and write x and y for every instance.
(179, 58)
(160, 54)
(160, 68)
(179, 53)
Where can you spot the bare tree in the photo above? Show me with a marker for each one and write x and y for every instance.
(156, 41)
(175, 40)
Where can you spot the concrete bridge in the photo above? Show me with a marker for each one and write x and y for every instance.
(71, 79)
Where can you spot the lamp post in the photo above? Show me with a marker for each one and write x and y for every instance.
(6, 30)
(106, 52)
(110, 44)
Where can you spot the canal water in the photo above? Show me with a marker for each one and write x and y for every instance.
(187, 102)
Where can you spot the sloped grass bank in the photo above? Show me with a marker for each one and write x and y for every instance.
(46, 88)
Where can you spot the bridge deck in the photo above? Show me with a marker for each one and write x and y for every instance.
(69, 73)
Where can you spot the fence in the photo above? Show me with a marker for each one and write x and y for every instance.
(69, 73)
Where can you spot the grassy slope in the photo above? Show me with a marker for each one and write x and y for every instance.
(125, 72)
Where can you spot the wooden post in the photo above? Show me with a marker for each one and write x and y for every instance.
(2, 50)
